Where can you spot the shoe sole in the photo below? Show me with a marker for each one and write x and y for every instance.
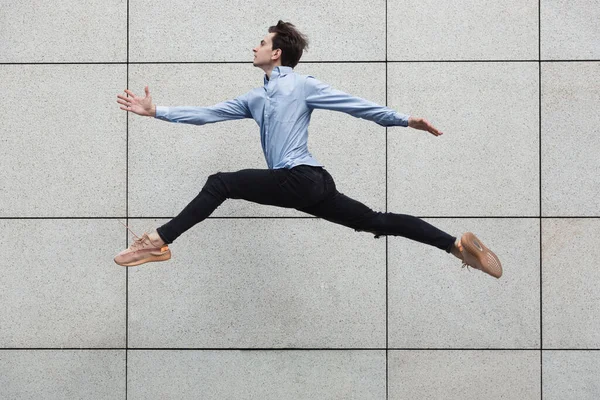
(486, 258)
(163, 257)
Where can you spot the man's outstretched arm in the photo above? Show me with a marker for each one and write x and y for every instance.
(227, 110)
(322, 96)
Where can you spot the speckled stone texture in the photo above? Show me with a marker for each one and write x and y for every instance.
(570, 127)
(571, 276)
(571, 374)
(462, 30)
(65, 31)
(60, 287)
(63, 141)
(570, 31)
(486, 162)
(269, 375)
(464, 374)
(62, 374)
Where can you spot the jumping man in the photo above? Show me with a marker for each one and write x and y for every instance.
(282, 107)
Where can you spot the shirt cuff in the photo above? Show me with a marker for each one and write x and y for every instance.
(402, 119)
(161, 112)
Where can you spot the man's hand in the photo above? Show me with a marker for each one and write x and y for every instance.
(424, 125)
(138, 105)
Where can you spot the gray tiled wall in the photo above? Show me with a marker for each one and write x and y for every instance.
(267, 303)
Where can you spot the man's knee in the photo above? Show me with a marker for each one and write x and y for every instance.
(373, 222)
(215, 185)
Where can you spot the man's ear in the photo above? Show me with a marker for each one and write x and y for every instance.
(276, 54)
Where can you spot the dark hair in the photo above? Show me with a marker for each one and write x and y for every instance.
(291, 42)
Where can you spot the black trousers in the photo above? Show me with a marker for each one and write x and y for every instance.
(305, 188)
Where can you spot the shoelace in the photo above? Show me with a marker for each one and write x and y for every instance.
(137, 242)
(464, 263)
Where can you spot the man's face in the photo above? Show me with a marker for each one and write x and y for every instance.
(264, 51)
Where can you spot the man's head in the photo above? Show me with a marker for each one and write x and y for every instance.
(283, 45)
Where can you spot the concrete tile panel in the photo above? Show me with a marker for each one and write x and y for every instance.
(170, 163)
(231, 374)
(486, 163)
(303, 283)
(462, 30)
(571, 375)
(188, 31)
(63, 141)
(434, 303)
(64, 31)
(464, 374)
(60, 286)
(62, 374)
(570, 120)
(570, 30)
(571, 302)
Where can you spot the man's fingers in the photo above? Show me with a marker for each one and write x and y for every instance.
(129, 92)
(147, 91)
(432, 129)
(124, 102)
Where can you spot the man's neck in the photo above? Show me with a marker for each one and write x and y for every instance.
(269, 69)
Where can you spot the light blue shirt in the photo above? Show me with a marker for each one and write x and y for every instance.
(282, 109)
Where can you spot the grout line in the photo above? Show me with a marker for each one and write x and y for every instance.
(540, 194)
(387, 369)
(536, 349)
(305, 62)
(127, 220)
(302, 217)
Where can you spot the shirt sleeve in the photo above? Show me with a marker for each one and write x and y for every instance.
(320, 95)
(227, 110)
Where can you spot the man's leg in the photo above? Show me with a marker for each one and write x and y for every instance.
(289, 188)
(341, 209)
(338, 208)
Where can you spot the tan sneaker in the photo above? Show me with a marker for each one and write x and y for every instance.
(141, 251)
(476, 255)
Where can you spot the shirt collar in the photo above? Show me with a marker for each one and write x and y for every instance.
(278, 71)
